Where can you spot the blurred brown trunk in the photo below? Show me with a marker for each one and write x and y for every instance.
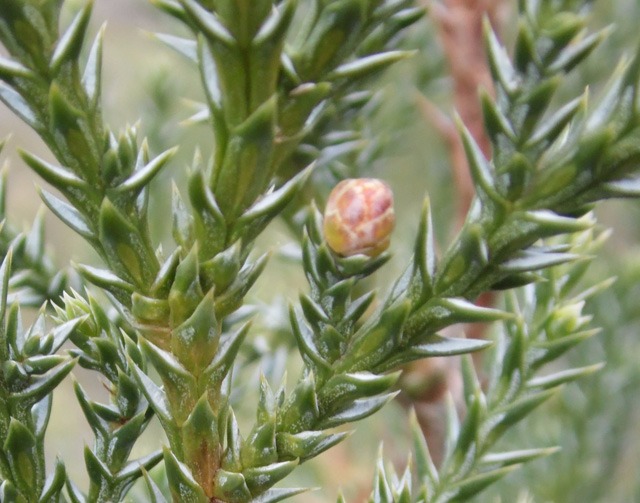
(459, 24)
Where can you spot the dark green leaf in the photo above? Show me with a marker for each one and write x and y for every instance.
(517, 457)
(181, 482)
(368, 65)
(20, 450)
(143, 176)
(264, 477)
(54, 483)
(307, 444)
(564, 376)
(70, 43)
(473, 485)
(356, 410)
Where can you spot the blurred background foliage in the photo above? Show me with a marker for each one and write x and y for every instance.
(596, 422)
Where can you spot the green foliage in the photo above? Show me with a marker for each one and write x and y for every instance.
(31, 370)
(34, 278)
(105, 347)
(286, 87)
(548, 322)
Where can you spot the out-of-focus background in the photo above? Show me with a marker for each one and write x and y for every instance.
(597, 421)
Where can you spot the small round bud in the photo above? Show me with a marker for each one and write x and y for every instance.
(359, 217)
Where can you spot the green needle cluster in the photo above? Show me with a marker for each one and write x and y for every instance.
(285, 85)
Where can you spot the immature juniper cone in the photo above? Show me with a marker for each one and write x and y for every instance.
(359, 217)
